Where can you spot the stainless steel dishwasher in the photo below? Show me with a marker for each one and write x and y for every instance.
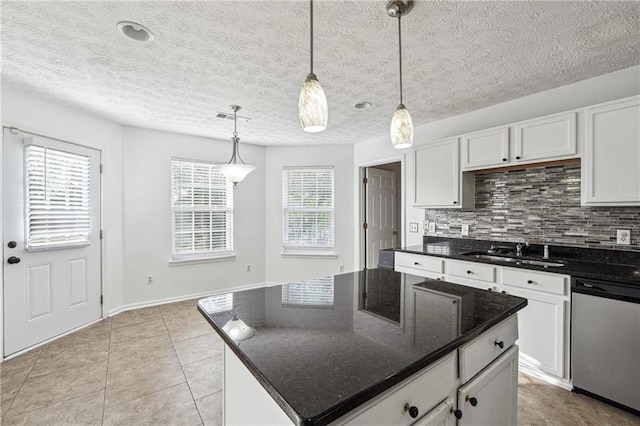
(605, 341)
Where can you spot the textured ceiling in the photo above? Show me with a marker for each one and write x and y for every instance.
(458, 56)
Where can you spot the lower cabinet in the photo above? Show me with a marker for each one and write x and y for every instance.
(491, 398)
(439, 416)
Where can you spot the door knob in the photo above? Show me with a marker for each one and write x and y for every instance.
(13, 260)
(12, 244)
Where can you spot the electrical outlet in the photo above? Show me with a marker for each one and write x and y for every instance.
(248, 268)
(432, 227)
(465, 230)
(149, 279)
(413, 227)
(341, 268)
(623, 237)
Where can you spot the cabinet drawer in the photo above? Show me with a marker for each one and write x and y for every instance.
(474, 271)
(531, 280)
(479, 353)
(419, 261)
(421, 392)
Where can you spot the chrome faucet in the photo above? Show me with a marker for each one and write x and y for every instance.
(520, 247)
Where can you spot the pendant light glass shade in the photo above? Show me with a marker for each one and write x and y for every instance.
(235, 171)
(401, 128)
(312, 106)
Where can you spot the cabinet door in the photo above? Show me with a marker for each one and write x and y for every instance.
(491, 398)
(541, 330)
(547, 138)
(485, 149)
(611, 161)
(437, 175)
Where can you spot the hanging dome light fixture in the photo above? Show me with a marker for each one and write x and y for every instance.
(235, 172)
(401, 123)
(312, 105)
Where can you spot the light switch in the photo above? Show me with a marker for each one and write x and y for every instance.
(432, 227)
(623, 237)
(465, 230)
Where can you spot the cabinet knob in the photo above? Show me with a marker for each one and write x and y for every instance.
(472, 400)
(504, 159)
(416, 263)
(413, 410)
(457, 413)
(499, 344)
(518, 157)
(489, 289)
(529, 282)
(469, 272)
(455, 202)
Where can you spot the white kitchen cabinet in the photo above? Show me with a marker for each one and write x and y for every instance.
(420, 265)
(478, 275)
(611, 161)
(488, 148)
(543, 337)
(439, 416)
(392, 407)
(543, 139)
(491, 398)
(438, 181)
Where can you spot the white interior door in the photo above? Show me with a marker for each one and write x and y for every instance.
(381, 229)
(51, 250)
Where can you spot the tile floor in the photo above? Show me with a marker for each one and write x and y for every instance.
(162, 366)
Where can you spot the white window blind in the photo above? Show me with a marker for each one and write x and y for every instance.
(308, 208)
(317, 293)
(202, 210)
(57, 198)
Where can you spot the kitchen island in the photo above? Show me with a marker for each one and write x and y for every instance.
(373, 346)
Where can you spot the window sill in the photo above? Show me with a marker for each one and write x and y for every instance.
(197, 260)
(310, 254)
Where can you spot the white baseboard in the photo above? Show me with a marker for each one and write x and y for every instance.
(534, 372)
(164, 301)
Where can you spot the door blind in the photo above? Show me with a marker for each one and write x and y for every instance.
(308, 208)
(202, 209)
(58, 198)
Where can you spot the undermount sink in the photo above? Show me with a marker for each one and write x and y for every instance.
(515, 260)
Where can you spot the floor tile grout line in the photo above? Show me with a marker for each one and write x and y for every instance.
(181, 367)
(106, 379)
(24, 381)
(55, 403)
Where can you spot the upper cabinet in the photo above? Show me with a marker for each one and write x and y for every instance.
(488, 148)
(438, 181)
(547, 138)
(542, 139)
(611, 160)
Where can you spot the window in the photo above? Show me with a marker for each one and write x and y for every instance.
(308, 210)
(57, 198)
(202, 211)
(316, 293)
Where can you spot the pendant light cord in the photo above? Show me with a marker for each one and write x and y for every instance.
(311, 35)
(400, 54)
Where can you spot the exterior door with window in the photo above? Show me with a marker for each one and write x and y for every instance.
(52, 254)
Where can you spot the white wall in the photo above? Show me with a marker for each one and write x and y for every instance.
(279, 268)
(39, 115)
(147, 218)
(604, 88)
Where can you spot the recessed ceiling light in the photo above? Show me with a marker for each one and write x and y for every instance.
(135, 31)
(362, 105)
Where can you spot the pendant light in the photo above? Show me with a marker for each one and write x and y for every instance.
(312, 105)
(401, 123)
(234, 171)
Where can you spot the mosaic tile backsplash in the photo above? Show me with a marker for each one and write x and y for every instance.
(539, 205)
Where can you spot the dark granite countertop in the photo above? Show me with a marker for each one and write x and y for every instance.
(609, 265)
(325, 346)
